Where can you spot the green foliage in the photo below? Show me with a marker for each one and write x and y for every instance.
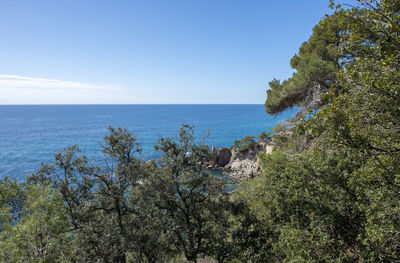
(124, 211)
(279, 127)
(288, 137)
(11, 201)
(110, 218)
(338, 199)
(245, 143)
(41, 232)
(191, 198)
(315, 64)
(366, 123)
(252, 239)
(264, 136)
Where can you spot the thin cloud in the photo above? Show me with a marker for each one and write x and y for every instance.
(14, 81)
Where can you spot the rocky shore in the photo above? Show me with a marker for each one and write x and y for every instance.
(241, 163)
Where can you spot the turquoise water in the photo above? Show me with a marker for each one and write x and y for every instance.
(30, 135)
(230, 183)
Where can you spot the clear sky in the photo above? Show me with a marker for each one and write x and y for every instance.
(147, 51)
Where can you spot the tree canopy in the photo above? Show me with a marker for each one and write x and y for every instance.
(315, 66)
(338, 199)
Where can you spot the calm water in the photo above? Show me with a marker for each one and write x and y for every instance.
(30, 135)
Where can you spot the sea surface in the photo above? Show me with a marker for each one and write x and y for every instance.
(30, 135)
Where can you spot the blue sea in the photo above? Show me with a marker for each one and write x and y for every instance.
(30, 135)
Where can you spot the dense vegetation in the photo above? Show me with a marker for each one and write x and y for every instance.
(329, 192)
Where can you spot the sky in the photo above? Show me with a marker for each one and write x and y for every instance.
(148, 51)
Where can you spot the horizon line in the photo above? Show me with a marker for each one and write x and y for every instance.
(116, 104)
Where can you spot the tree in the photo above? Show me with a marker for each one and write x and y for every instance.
(11, 201)
(109, 218)
(247, 142)
(366, 122)
(316, 64)
(338, 199)
(190, 198)
(41, 232)
(264, 136)
(129, 210)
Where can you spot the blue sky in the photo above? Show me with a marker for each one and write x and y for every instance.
(133, 52)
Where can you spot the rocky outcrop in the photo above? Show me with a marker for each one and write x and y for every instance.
(241, 164)
(245, 164)
(223, 157)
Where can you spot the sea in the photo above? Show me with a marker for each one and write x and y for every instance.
(32, 134)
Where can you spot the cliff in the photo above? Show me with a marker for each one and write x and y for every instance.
(241, 163)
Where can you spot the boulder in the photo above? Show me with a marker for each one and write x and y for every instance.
(245, 164)
(223, 157)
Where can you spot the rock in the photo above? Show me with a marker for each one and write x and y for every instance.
(221, 159)
(224, 156)
(241, 164)
(245, 164)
